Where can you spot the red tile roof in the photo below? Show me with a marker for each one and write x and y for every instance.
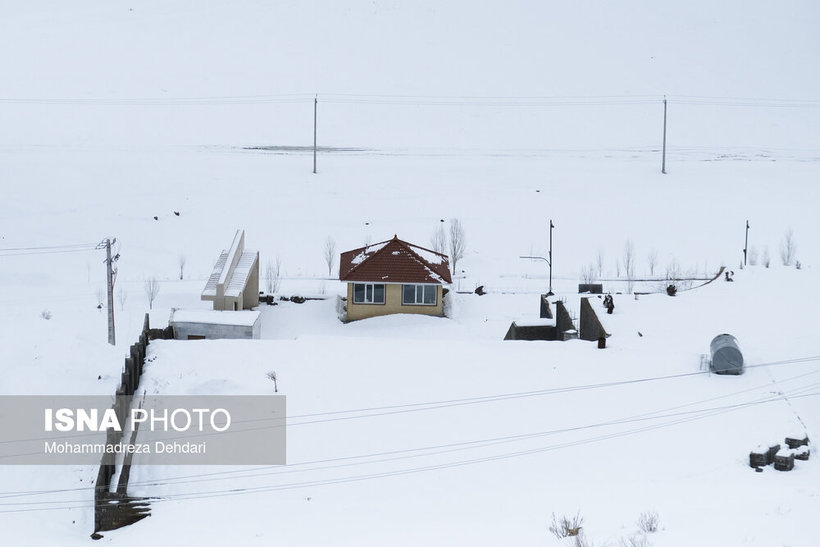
(394, 261)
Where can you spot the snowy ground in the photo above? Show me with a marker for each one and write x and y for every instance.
(504, 117)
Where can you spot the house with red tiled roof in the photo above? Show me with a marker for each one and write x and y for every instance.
(393, 276)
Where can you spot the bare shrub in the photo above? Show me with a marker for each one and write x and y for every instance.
(648, 522)
(566, 526)
(635, 540)
(329, 254)
(272, 377)
(766, 259)
(151, 291)
(788, 248)
(45, 314)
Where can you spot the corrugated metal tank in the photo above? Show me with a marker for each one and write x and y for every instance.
(726, 356)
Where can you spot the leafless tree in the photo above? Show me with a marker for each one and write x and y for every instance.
(329, 254)
(100, 294)
(151, 291)
(438, 241)
(753, 256)
(458, 242)
(652, 260)
(767, 261)
(273, 276)
(588, 274)
(599, 263)
(181, 266)
(122, 296)
(788, 248)
(629, 264)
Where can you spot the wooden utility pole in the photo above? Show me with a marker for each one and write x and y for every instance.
(663, 161)
(315, 109)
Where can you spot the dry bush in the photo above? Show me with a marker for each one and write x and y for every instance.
(649, 521)
(566, 526)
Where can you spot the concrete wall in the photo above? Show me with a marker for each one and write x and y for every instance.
(392, 304)
(589, 323)
(210, 331)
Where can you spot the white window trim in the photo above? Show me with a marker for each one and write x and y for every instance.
(373, 291)
(435, 301)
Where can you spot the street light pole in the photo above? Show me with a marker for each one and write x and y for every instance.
(746, 244)
(549, 292)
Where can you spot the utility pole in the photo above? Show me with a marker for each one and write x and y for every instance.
(746, 244)
(110, 275)
(315, 109)
(663, 162)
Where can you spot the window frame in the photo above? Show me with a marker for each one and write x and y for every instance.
(416, 287)
(373, 294)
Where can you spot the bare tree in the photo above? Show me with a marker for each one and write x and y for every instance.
(458, 242)
(100, 294)
(438, 241)
(788, 248)
(652, 260)
(753, 256)
(273, 276)
(151, 291)
(329, 254)
(767, 261)
(122, 296)
(181, 266)
(599, 263)
(588, 274)
(629, 264)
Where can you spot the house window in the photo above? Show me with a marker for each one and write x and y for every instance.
(368, 293)
(419, 295)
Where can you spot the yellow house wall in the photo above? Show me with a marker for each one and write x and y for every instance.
(392, 304)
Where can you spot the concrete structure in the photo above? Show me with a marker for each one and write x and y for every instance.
(214, 325)
(590, 325)
(234, 282)
(393, 276)
(546, 327)
(726, 356)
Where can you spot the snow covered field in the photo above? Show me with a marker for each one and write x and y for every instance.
(431, 431)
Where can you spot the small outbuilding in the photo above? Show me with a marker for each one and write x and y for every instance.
(393, 276)
(215, 325)
(726, 356)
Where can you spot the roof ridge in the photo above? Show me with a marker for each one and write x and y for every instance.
(377, 251)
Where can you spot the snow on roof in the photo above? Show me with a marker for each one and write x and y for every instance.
(241, 274)
(535, 323)
(245, 318)
(210, 286)
(394, 261)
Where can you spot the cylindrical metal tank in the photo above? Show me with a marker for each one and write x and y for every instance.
(726, 356)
